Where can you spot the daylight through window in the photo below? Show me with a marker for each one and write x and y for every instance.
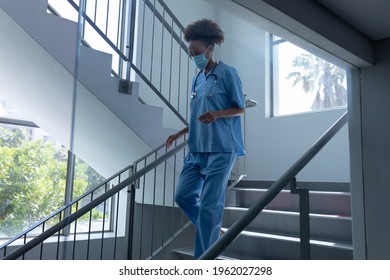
(303, 82)
(33, 174)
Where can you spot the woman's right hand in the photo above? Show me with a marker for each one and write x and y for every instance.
(172, 139)
(175, 136)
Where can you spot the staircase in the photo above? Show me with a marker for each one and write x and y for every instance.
(112, 128)
(274, 234)
(56, 39)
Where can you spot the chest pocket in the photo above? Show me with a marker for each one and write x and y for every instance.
(216, 95)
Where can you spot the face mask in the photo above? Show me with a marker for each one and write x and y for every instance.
(200, 61)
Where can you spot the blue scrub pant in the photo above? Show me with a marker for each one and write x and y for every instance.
(200, 193)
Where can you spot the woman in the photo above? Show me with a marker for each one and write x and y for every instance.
(215, 138)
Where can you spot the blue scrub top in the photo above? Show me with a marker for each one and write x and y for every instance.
(222, 90)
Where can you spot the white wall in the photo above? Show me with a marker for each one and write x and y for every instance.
(272, 144)
(188, 11)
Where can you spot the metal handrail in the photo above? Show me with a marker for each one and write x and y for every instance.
(67, 206)
(97, 201)
(158, 93)
(166, 25)
(85, 43)
(273, 191)
(171, 14)
(127, 59)
(177, 38)
(73, 202)
(99, 31)
(149, 154)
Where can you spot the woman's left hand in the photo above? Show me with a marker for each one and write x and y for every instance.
(209, 117)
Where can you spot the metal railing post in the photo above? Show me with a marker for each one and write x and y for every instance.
(220, 245)
(71, 164)
(131, 42)
(304, 219)
(131, 201)
(93, 204)
(122, 39)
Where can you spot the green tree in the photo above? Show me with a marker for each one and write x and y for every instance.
(32, 183)
(33, 179)
(323, 78)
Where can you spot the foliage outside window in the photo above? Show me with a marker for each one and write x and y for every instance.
(303, 82)
(33, 172)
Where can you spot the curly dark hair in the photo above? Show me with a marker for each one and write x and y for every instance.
(205, 30)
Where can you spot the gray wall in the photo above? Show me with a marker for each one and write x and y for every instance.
(375, 94)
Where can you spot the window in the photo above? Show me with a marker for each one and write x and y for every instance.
(33, 174)
(303, 82)
(32, 178)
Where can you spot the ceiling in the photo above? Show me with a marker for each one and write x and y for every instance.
(371, 17)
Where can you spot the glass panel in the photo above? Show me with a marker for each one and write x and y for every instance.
(7, 110)
(37, 86)
(95, 126)
(33, 170)
(304, 82)
(32, 177)
(87, 179)
(99, 221)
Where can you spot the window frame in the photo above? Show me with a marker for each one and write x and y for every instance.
(273, 107)
(68, 194)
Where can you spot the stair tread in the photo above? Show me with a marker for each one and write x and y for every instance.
(190, 252)
(239, 189)
(292, 213)
(325, 243)
(313, 186)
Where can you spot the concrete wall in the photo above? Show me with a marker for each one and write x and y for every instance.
(375, 94)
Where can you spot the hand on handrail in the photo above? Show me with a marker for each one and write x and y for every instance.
(172, 138)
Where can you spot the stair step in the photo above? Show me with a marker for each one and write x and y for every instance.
(321, 202)
(94, 61)
(257, 245)
(312, 186)
(324, 227)
(24, 12)
(188, 254)
(58, 37)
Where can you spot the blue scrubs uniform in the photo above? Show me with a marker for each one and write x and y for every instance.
(213, 148)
